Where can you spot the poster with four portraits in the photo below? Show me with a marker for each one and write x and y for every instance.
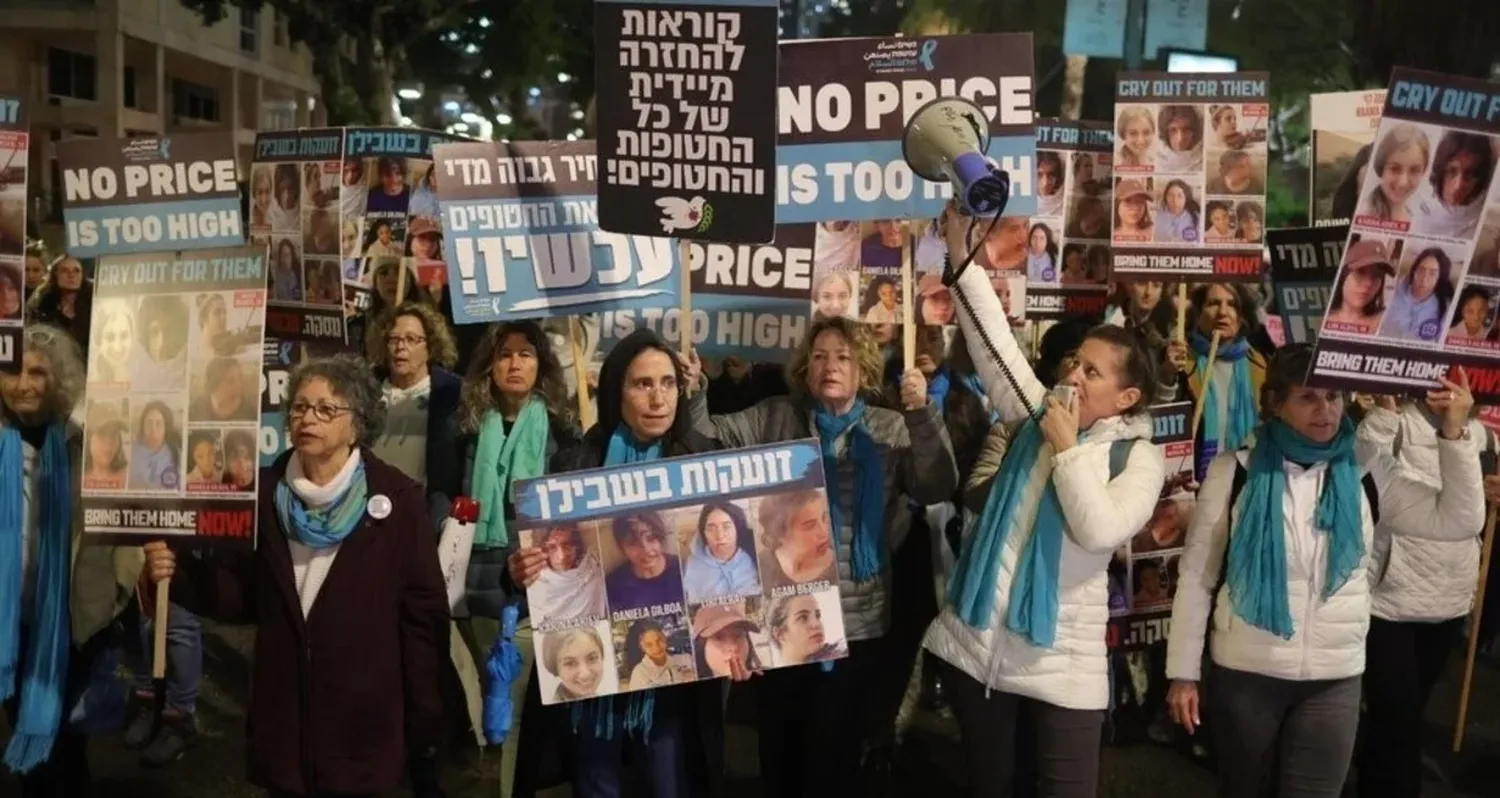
(172, 415)
(1418, 287)
(672, 571)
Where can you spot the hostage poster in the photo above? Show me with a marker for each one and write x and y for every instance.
(173, 408)
(1067, 241)
(1419, 284)
(1143, 582)
(1190, 176)
(667, 572)
(14, 159)
(1343, 132)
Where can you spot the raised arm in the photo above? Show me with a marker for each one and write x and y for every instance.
(732, 430)
(1198, 572)
(1103, 515)
(982, 318)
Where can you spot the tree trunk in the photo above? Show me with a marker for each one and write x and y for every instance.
(1072, 88)
(373, 81)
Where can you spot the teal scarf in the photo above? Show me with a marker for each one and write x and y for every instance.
(1256, 561)
(499, 460)
(640, 705)
(42, 677)
(322, 527)
(1033, 591)
(1242, 402)
(869, 485)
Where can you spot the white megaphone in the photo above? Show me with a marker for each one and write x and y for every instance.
(946, 139)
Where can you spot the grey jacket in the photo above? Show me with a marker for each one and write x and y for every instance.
(919, 468)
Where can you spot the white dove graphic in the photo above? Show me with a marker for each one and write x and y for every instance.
(680, 214)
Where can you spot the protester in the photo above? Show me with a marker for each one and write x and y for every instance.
(59, 597)
(163, 727)
(65, 300)
(876, 462)
(343, 694)
(1279, 553)
(36, 266)
(676, 734)
(1027, 608)
(1423, 592)
(420, 394)
(1229, 411)
(388, 292)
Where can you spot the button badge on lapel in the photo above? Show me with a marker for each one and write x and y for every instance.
(379, 506)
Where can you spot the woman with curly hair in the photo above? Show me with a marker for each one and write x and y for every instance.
(66, 300)
(419, 391)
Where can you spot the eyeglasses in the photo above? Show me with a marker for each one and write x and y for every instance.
(666, 386)
(411, 341)
(322, 412)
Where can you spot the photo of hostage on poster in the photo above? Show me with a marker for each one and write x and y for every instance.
(1189, 175)
(680, 570)
(1416, 289)
(163, 434)
(1343, 135)
(1067, 249)
(14, 158)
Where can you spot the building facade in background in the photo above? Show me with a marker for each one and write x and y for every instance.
(112, 68)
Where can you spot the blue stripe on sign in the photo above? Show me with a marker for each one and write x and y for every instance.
(690, 3)
(158, 226)
(758, 328)
(273, 439)
(872, 171)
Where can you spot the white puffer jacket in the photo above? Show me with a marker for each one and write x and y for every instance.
(1419, 580)
(1100, 515)
(1328, 640)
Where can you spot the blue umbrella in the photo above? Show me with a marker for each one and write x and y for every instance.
(503, 666)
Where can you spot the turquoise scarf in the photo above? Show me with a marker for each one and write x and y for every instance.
(42, 678)
(499, 460)
(869, 485)
(322, 527)
(1033, 591)
(1242, 402)
(640, 705)
(1256, 561)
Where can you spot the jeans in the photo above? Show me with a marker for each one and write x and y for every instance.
(1290, 739)
(1064, 742)
(184, 658)
(1403, 664)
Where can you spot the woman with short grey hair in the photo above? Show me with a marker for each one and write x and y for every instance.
(58, 600)
(346, 691)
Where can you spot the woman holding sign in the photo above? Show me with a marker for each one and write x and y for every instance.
(1226, 313)
(1024, 625)
(876, 463)
(1279, 559)
(676, 733)
(348, 656)
(58, 600)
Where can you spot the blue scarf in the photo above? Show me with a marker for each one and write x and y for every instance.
(322, 527)
(937, 388)
(640, 705)
(43, 675)
(869, 485)
(1033, 591)
(1242, 402)
(1256, 561)
(971, 381)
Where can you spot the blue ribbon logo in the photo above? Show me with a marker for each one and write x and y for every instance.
(925, 56)
(164, 149)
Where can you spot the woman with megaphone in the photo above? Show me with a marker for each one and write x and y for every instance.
(1024, 624)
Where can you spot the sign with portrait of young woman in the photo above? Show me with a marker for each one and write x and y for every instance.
(1418, 289)
(172, 414)
(14, 146)
(1189, 199)
(673, 571)
(1067, 241)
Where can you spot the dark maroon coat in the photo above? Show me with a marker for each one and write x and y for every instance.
(336, 700)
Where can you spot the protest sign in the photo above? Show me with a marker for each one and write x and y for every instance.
(1190, 175)
(173, 410)
(524, 240)
(1067, 243)
(1142, 588)
(14, 157)
(342, 211)
(687, 118)
(1343, 130)
(749, 301)
(1304, 261)
(844, 104)
(1419, 285)
(150, 194)
(664, 572)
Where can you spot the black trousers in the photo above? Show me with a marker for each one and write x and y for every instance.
(1066, 741)
(1404, 663)
(65, 774)
(813, 723)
